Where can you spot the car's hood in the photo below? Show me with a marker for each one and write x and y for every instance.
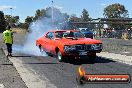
(78, 41)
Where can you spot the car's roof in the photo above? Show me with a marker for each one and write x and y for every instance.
(63, 30)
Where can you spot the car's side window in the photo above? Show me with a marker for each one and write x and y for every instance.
(50, 35)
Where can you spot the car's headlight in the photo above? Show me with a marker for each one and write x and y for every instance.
(69, 48)
(96, 46)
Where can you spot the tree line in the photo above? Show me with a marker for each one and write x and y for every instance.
(111, 11)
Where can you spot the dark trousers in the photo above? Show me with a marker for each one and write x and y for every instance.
(9, 48)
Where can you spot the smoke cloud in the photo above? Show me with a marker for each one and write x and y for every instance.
(37, 29)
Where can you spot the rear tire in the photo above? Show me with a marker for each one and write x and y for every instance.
(40, 48)
(59, 56)
(49, 54)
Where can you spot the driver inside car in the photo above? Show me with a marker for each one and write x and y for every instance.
(59, 35)
(68, 34)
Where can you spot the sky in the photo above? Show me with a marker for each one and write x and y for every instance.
(24, 8)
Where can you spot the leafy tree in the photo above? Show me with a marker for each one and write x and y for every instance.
(16, 19)
(85, 16)
(48, 14)
(58, 17)
(39, 13)
(29, 19)
(7, 19)
(116, 11)
(74, 18)
(11, 20)
(2, 22)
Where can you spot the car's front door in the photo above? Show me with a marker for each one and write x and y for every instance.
(50, 42)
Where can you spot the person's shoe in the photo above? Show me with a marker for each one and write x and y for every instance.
(10, 54)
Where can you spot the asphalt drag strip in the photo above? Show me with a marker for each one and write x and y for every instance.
(47, 72)
(9, 77)
(28, 75)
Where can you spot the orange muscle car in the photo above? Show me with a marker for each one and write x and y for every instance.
(69, 43)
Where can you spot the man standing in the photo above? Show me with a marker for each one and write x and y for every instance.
(8, 40)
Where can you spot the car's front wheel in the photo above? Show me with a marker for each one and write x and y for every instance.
(59, 56)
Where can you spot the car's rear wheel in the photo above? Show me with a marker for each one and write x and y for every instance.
(49, 54)
(59, 56)
(40, 48)
(42, 51)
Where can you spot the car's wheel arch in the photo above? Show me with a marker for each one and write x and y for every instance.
(57, 50)
(59, 54)
(40, 46)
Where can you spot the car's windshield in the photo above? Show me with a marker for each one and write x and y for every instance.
(66, 34)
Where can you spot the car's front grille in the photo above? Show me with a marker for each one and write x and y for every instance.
(83, 47)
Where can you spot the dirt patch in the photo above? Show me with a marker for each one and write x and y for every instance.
(19, 30)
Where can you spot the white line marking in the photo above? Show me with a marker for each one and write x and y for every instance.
(31, 80)
(1, 86)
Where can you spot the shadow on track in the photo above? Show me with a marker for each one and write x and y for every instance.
(103, 60)
(7, 64)
(87, 61)
(40, 63)
(20, 56)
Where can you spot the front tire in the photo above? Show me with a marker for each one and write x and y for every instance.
(59, 56)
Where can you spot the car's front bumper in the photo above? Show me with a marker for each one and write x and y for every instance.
(81, 53)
